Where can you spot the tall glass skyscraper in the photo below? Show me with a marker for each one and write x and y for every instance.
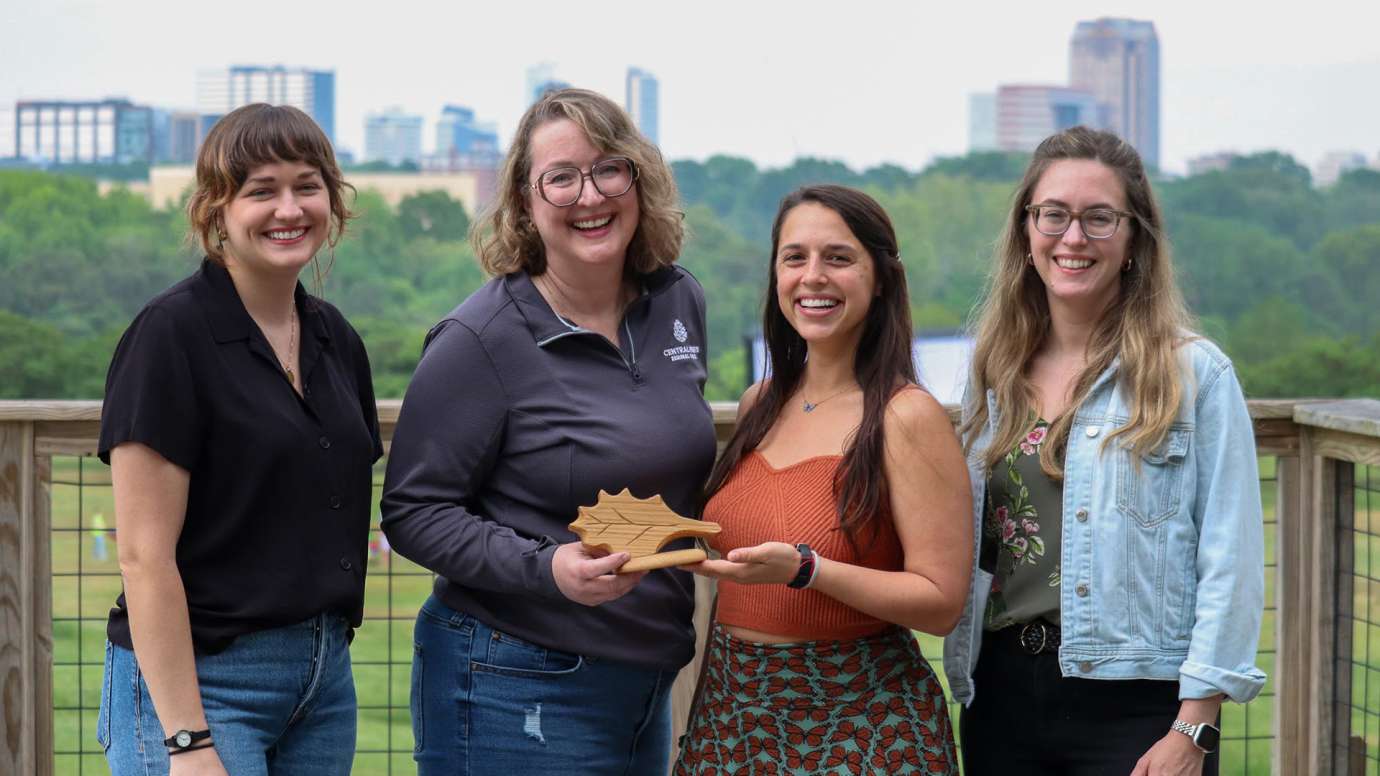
(644, 102)
(1118, 62)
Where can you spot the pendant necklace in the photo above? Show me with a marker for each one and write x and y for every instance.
(810, 406)
(291, 350)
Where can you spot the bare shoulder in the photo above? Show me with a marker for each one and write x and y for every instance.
(914, 410)
(749, 398)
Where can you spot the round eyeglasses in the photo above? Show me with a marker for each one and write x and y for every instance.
(1098, 223)
(562, 186)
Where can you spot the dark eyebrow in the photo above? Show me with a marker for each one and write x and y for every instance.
(829, 247)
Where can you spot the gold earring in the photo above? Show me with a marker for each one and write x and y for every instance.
(1127, 266)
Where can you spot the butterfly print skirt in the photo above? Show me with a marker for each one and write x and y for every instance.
(865, 706)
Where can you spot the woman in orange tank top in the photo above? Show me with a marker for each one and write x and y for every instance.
(845, 508)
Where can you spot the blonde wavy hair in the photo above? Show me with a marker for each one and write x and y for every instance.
(1142, 327)
(248, 137)
(504, 237)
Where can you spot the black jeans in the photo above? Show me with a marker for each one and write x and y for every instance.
(1028, 719)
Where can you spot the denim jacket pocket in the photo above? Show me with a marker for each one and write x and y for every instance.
(103, 716)
(512, 656)
(1151, 489)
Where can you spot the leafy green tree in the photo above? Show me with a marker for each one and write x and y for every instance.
(433, 214)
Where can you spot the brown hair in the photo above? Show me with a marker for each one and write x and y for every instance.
(1142, 327)
(504, 237)
(882, 365)
(245, 138)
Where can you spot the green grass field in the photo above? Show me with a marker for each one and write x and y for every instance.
(84, 588)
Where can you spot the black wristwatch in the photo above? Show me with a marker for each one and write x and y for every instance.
(805, 573)
(1205, 735)
(183, 739)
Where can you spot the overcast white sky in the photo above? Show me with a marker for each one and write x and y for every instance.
(864, 81)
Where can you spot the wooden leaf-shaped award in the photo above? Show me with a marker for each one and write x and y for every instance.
(640, 527)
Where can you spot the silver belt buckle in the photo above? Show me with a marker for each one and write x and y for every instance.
(1034, 637)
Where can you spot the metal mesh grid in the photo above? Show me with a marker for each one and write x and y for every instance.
(85, 585)
(1356, 745)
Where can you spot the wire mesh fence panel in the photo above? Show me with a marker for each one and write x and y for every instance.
(1356, 720)
(86, 582)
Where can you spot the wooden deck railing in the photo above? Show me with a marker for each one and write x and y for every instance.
(1325, 711)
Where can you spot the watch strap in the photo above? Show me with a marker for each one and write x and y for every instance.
(1192, 730)
(190, 736)
(805, 573)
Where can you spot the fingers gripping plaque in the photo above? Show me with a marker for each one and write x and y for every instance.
(639, 527)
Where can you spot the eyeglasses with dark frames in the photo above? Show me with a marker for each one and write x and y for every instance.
(563, 186)
(1099, 223)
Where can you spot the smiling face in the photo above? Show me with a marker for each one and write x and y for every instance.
(825, 281)
(278, 219)
(1079, 273)
(596, 230)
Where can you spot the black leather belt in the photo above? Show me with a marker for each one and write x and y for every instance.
(1039, 637)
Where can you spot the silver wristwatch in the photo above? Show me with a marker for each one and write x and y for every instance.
(1205, 735)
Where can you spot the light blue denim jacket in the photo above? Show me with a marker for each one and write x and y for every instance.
(1162, 564)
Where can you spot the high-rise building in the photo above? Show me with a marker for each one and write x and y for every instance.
(174, 136)
(982, 121)
(1027, 114)
(1118, 62)
(458, 133)
(8, 135)
(541, 78)
(221, 91)
(83, 132)
(393, 137)
(644, 102)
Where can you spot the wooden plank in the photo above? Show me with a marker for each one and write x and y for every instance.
(1341, 700)
(11, 410)
(17, 636)
(1321, 613)
(1291, 686)
(1354, 416)
(71, 437)
(40, 594)
(1344, 446)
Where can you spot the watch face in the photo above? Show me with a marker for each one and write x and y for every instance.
(1207, 738)
(183, 738)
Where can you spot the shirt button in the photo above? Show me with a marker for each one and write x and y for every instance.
(325, 443)
(1082, 515)
(335, 502)
(1081, 590)
(1092, 431)
(1085, 667)
(345, 564)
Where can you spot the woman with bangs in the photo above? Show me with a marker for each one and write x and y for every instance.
(1118, 587)
(844, 507)
(579, 368)
(240, 427)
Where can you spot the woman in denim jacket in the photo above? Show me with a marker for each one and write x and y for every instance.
(1118, 587)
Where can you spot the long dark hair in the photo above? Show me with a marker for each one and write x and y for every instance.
(882, 365)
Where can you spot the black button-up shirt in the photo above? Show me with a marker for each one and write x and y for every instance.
(278, 507)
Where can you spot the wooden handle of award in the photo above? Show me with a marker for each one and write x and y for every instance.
(640, 527)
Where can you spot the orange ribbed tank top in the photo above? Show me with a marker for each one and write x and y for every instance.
(793, 504)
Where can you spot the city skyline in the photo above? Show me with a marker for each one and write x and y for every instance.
(771, 86)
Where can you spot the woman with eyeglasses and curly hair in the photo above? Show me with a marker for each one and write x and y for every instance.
(241, 431)
(1118, 591)
(579, 368)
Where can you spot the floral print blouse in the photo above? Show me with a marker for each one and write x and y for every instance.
(1021, 536)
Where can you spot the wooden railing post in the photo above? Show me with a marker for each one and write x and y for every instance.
(26, 622)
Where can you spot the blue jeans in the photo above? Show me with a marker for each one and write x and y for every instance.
(279, 701)
(485, 702)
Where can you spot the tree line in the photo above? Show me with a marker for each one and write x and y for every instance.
(1284, 275)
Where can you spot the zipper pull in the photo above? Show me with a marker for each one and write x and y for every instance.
(636, 373)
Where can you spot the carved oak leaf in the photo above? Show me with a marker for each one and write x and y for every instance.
(639, 527)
